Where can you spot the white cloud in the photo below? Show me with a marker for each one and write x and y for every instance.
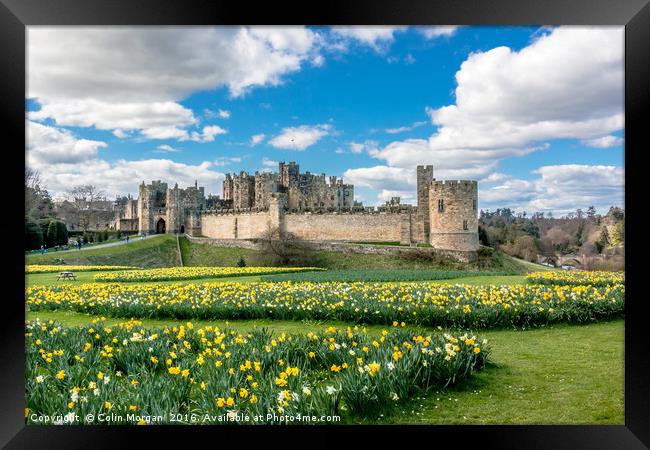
(376, 37)
(269, 163)
(604, 142)
(405, 128)
(439, 31)
(559, 189)
(367, 146)
(50, 145)
(257, 139)
(405, 197)
(122, 176)
(225, 161)
(382, 177)
(208, 134)
(224, 114)
(508, 103)
(164, 148)
(301, 137)
(132, 78)
(120, 133)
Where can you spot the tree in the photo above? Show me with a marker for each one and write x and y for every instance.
(33, 235)
(591, 212)
(52, 234)
(241, 262)
(38, 203)
(603, 241)
(83, 199)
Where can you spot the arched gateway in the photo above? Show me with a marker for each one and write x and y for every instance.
(160, 226)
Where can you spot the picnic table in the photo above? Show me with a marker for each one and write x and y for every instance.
(66, 276)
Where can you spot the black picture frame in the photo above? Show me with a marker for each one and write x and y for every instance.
(15, 15)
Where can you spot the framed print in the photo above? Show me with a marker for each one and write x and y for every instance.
(360, 218)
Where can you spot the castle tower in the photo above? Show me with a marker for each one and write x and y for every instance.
(453, 215)
(144, 204)
(424, 180)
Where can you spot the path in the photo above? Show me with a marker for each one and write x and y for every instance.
(93, 247)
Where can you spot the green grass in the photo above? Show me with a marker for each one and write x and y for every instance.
(393, 243)
(565, 374)
(388, 275)
(49, 279)
(159, 251)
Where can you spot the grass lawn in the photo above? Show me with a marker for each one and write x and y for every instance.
(565, 374)
(88, 277)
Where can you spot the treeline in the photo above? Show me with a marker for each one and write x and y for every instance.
(41, 227)
(580, 232)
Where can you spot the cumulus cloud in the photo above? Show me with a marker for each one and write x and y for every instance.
(132, 78)
(301, 137)
(559, 189)
(64, 161)
(257, 139)
(506, 101)
(567, 84)
(406, 197)
(604, 142)
(439, 31)
(376, 37)
(382, 177)
(208, 134)
(405, 128)
(269, 163)
(166, 149)
(122, 176)
(50, 145)
(225, 161)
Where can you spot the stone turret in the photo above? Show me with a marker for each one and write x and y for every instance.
(424, 179)
(453, 215)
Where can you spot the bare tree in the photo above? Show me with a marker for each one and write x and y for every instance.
(286, 248)
(83, 199)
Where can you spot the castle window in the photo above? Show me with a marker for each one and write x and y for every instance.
(441, 205)
(474, 204)
(464, 225)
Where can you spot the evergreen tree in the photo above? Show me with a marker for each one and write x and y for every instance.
(33, 236)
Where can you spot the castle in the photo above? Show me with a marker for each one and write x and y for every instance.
(308, 206)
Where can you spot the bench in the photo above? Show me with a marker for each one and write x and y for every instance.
(66, 276)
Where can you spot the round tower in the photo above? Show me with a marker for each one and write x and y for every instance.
(453, 215)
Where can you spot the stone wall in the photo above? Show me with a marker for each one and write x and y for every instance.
(344, 227)
(242, 225)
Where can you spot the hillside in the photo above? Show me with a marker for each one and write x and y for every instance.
(203, 254)
(159, 251)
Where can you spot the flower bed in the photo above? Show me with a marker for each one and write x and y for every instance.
(188, 375)
(460, 306)
(190, 273)
(576, 278)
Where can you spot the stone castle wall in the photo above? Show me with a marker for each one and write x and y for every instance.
(345, 227)
(399, 226)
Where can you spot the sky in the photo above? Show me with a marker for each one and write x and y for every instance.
(535, 114)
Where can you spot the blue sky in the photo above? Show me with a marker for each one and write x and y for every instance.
(534, 113)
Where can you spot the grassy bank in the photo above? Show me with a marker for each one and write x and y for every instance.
(158, 251)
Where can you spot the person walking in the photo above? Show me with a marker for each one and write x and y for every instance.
(79, 244)
(127, 238)
(42, 249)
